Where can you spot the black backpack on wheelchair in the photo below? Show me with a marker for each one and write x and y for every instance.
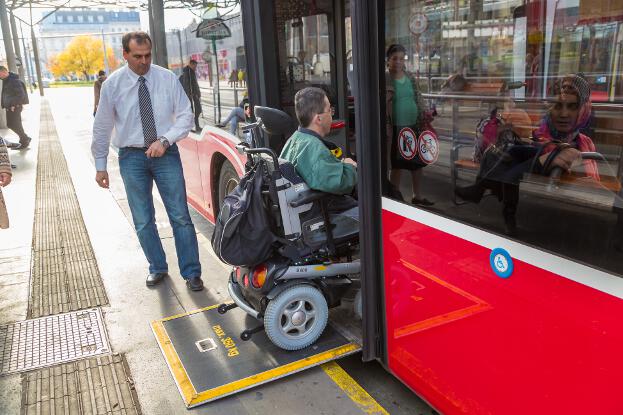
(242, 234)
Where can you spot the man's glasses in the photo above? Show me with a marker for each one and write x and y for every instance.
(331, 110)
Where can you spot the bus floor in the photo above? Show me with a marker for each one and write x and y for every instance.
(351, 387)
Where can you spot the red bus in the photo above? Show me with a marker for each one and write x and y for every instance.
(474, 315)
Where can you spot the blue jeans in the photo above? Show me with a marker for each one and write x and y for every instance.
(139, 172)
(235, 116)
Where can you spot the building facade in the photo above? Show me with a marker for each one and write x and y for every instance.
(185, 45)
(59, 29)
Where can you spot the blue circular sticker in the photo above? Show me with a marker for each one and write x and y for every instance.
(501, 263)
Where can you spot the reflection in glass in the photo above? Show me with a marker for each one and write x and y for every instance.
(517, 133)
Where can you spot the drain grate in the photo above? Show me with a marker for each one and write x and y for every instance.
(46, 341)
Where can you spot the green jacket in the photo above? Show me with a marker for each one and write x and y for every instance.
(316, 165)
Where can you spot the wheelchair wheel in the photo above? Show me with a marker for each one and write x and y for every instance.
(296, 317)
(228, 180)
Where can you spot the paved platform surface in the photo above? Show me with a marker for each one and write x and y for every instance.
(348, 387)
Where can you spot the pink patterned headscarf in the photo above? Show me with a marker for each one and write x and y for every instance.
(573, 85)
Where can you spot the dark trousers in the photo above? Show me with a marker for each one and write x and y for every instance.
(197, 114)
(197, 110)
(14, 122)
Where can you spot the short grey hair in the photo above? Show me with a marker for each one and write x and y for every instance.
(140, 37)
(307, 103)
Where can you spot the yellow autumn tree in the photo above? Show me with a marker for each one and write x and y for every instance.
(56, 66)
(83, 56)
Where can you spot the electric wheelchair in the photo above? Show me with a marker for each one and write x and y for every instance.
(313, 262)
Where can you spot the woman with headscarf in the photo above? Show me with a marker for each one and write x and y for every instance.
(558, 142)
(568, 115)
(405, 110)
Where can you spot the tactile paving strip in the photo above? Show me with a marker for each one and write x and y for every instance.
(46, 341)
(101, 385)
(65, 276)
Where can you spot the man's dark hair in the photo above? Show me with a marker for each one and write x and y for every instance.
(3, 68)
(307, 103)
(139, 36)
(395, 48)
(101, 73)
(193, 62)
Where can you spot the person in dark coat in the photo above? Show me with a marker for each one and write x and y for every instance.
(14, 97)
(191, 87)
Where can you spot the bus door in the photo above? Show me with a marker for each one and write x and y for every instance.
(501, 266)
(213, 352)
(313, 48)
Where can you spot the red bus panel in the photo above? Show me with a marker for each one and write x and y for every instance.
(471, 342)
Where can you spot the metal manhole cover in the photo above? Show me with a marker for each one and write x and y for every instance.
(45, 341)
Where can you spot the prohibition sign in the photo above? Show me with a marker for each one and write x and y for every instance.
(428, 146)
(407, 143)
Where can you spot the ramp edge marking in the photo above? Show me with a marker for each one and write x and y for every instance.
(273, 374)
(184, 385)
(353, 390)
(199, 310)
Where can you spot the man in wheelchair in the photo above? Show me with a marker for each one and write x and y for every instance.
(311, 157)
(312, 263)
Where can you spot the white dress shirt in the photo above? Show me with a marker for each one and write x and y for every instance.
(118, 109)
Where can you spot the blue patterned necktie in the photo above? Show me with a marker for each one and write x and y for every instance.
(147, 113)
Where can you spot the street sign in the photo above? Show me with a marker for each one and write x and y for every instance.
(418, 23)
(213, 29)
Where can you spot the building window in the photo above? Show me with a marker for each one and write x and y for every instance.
(90, 18)
(59, 19)
(100, 18)
(70, 19)
(80, 18)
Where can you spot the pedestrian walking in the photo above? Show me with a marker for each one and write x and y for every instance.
(147, 108)
(241, 78)
(97, 87)
(233, 76)
(188, 78)
(14, 97)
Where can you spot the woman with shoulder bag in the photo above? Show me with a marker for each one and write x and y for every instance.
(406, 117)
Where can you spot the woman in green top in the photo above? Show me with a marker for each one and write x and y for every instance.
(405, 110)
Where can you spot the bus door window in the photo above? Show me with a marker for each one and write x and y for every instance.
(309, 39)
(501, 85)
(304, 49)
(349, 109)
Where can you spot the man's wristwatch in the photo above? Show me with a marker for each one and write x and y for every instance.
(164, 142)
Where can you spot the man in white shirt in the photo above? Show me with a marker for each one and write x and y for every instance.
(148, 110)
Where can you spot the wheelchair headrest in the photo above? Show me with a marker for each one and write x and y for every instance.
(276, 122)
